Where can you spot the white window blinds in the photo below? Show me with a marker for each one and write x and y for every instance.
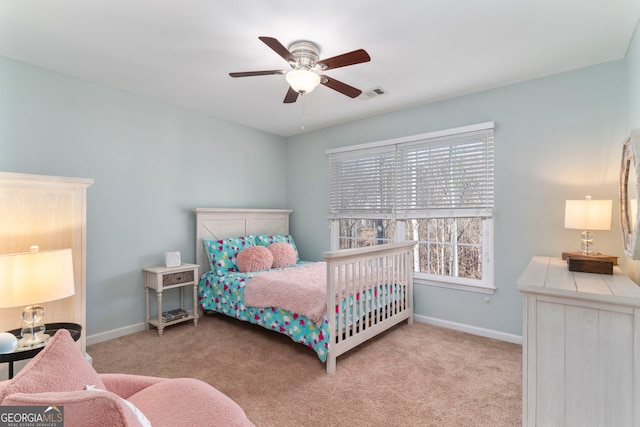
(446, 173)
(363, 181)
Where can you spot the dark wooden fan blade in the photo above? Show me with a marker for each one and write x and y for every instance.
(291, 96)
(350, 58)
(278, 48)
(343, 88)
(257, 73)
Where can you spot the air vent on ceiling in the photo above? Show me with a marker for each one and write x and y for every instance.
(373, 92)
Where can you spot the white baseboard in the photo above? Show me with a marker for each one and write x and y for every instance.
(489, 333)
(120, 332)
(115, 333)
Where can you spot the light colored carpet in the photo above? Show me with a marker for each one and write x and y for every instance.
(419, 375)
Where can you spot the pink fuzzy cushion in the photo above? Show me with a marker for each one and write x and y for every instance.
(254, 258)
(283, 254)
(188, 402)
(59, 367)
(81, 407)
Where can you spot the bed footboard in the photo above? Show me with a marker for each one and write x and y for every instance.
(370, 290)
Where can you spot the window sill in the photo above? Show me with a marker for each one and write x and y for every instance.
(457, 286)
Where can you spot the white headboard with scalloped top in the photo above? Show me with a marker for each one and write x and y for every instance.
(222, 223)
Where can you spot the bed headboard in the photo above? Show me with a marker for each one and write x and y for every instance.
(222, 223)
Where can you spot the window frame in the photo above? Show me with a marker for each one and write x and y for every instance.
(484, 212)
(484, 285)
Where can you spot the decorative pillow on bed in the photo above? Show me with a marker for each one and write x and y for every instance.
(283, 254)
(255, 258)
(267, 239)
(223, 253)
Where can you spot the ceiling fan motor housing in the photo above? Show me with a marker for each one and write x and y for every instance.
(306, 54)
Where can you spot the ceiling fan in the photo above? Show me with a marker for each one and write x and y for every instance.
(305, 71)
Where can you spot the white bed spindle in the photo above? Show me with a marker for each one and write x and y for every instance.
(376, 286)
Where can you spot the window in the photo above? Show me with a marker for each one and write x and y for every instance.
(360, 232)
(436, 189)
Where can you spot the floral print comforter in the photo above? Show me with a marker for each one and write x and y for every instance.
(225, 294)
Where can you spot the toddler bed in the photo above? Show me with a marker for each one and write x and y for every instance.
(330, 306)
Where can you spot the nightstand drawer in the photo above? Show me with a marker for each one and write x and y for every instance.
(176, 278)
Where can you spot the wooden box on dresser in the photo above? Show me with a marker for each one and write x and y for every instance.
(581, 347)
(48, 211)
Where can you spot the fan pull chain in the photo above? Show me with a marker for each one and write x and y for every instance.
(303, 104)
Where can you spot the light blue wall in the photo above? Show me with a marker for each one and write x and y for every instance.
(633, 115)
(152, 163)
(556, 138)
(633, 81)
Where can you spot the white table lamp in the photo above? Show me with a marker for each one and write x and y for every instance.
(33, 278)
(587, 215)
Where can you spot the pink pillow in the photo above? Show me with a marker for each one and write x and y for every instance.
(283, 254)
(60, 366)
(254, 258)
(81, 408)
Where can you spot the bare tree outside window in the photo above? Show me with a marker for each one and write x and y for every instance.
(358, 233)
(447, 246)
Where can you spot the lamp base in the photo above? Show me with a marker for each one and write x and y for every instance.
(587, 248)
(39, 341)
(32, 332)
(613, 259)
(590, 265)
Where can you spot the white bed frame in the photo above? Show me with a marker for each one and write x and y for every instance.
(391, 261)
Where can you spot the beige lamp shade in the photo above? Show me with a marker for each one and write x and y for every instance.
(35, 277)
(588, 214)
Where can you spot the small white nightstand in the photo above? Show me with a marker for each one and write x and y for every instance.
(163, 278)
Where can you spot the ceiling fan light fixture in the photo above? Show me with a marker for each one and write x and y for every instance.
(307, 72)
(303, 81)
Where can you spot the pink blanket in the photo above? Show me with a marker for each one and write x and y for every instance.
(301, 290)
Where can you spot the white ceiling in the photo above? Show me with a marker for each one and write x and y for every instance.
(181, 51)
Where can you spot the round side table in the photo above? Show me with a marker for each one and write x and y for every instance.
(27, 353)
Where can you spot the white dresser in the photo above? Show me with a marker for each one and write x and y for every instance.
(581, 347)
